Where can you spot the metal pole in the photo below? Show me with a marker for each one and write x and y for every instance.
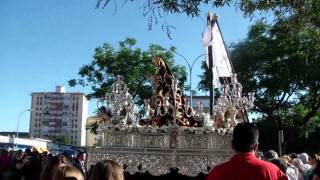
(190, 66)
(191, 76)
(190, 69)
(17, 133)
(280, 141)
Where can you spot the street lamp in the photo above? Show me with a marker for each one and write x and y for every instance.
(17, 135)
(190, 70)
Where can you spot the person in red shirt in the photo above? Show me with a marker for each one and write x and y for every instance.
(244, 165)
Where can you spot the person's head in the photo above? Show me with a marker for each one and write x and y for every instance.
(18, 155)
(304, 158)
(271, 154)
(27, 152)
(314, 158)
(107, 170)
(281, 163)
(245, 137)
(53, 164)
(67, 172)
(259, 154)
(286, 158)
(293, 155)
(82, 156)
(297, 162)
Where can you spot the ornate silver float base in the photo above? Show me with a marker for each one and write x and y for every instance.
(158, 152)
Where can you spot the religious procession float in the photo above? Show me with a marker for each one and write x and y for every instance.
(170, 133)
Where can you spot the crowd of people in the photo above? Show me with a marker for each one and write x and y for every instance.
(296, 166)
(250, 164)
(247, 164)
(28, 165)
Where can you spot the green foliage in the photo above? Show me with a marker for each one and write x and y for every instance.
(63, 139)
(204, 83)
(297, 13)
(249, 7)
(93, 127)
(281, 70)
(134, 64)
(280, 62)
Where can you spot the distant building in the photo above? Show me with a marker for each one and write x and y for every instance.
(196, 100)
(91, 139)
(59, 115)
(13, 134)
(11, 142)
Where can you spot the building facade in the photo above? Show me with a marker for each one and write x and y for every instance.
(59, 116)
(91, 139)
(197, 100)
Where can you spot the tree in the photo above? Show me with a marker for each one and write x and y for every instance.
(63, 139)
(134, 64)
(298, 13)
(282, 70)
(160, 9)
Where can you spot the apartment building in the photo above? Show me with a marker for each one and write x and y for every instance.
(197, 100)
(59, 115)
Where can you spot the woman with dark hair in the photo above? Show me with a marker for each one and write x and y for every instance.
(107, 170)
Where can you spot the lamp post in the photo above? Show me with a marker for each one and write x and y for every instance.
(190, 66)
(17, 133)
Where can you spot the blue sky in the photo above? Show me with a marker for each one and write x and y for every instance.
(44, 43)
